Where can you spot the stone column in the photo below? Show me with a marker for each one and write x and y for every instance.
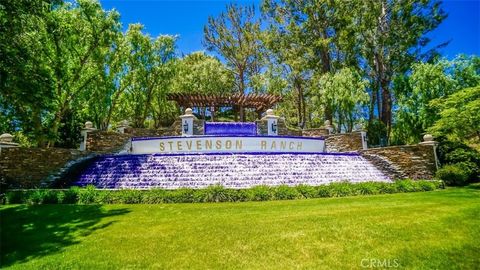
(272, 123)
(122, 126)
(6, 141)
(329, 126)
(88, 128)
(187, 122)
(428, 140)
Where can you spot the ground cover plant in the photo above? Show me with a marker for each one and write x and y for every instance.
(420, 230)
(91, 195)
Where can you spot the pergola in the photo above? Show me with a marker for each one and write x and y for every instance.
(259, 102)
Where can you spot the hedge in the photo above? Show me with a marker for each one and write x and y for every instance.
(92, 195)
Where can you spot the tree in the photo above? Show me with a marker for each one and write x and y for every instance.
(203, 74)
(234, 35)
(345, 93)
(149, 64)
(392, 35)
(459, 116)
(427, 82)
(63, 42)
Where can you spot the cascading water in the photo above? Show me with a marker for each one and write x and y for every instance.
(170, 171)
(230, 128)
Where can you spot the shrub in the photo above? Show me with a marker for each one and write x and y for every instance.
(154, 196)
(260, 193)
(87, 195)
(367, 188)
(306, 191)
(324, 191)
(426, 185)
(387, 188)
(452, 175)
(71, 195)
(284, 192)
(341, 189)
(405, 185)
(15, 197)
(215, 193)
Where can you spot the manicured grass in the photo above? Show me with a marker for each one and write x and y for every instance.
(438, 229)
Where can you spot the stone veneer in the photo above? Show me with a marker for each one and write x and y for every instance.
(406, 161)
(315, 132)
(344, 142)
(32, 167)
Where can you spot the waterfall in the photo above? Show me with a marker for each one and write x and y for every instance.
(239, 170)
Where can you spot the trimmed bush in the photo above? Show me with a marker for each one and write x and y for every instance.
(284, 192)
(260, 193)
(307, 191)
(217, 193)
(453, 175)
(88, 195)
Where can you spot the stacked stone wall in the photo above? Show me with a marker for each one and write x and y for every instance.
(409, 161)
(344, 142)
(315, 132)
(31, 167)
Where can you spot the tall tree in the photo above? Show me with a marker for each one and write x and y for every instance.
(148, 67)
(234, 36)
(393, 35)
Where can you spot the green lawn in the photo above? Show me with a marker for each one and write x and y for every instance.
(438, 229)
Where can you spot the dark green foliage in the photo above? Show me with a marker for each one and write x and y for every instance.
(453, 175)
(284, 192)
(307, 191)
(377, 133)
(260, 193)
(406, 186)
(466, 158)
(88, 195)
(216, 193)
(368, 188)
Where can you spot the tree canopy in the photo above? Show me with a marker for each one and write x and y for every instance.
(365, 63)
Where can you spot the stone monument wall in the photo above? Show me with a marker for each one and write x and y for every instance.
(406, 161)
(31, 167)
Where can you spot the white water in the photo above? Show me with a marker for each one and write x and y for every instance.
(231, 170)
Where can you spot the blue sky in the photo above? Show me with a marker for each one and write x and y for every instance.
(187, 18)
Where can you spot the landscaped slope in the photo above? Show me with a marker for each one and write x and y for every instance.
(429, 230)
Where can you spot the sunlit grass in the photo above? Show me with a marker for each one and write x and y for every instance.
(438, 229)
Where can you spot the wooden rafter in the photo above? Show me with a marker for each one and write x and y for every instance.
(257, 101)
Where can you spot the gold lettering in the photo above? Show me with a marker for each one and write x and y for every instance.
(189, 145)
(199, 145)
(208, 144)
(162, 146)
(238, 144)
(218, 144)
(179, 146)
(291, 145)
(263, 145)
(170, 143)
(228, 144)
(283, 145)
(274, 145)
(299, 146)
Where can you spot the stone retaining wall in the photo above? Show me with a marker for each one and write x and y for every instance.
(30, 167)
(409, 161)
(315, 132)
(344, 142)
